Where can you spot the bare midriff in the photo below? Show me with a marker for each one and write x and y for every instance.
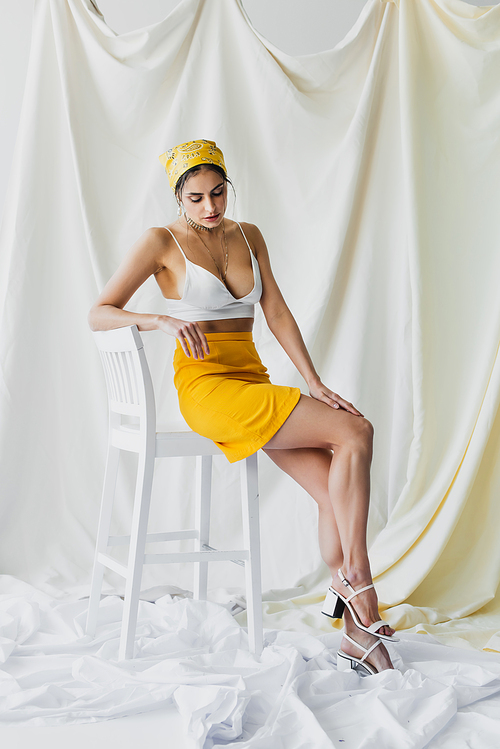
(236, 325)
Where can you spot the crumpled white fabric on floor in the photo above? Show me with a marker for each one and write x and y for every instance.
(194, 654)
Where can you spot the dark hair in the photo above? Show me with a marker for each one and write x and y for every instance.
(179, 187)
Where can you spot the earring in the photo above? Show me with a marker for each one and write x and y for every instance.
(179, 209)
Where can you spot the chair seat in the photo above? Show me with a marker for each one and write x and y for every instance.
(168, 443)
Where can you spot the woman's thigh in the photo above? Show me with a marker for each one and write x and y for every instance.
(315, 424)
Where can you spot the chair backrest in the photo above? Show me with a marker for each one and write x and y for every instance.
(128, 379)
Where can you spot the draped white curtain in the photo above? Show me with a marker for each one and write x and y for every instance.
(372, 171)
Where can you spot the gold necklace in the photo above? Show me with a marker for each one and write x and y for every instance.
(221, 274)
(197, 226)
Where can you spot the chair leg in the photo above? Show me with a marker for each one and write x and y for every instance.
(137, 548)
(251, 533)
(202, 524)
(108, 493)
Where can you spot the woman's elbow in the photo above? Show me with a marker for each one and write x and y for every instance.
(94, 318)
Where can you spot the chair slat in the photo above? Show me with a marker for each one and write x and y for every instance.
(108, 375)
(112, 376)
(126, 376)
(120, 383)
(134, 389)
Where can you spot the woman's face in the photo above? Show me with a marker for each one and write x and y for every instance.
(204, 198)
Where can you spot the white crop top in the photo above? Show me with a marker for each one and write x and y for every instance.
(206, 297)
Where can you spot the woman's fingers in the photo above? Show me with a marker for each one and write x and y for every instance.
(335, 401)
(189, 334)
(196, 339)
(193, 344)
(182, 340)
(348, 406)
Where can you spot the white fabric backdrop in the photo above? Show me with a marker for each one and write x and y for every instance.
(371, 170)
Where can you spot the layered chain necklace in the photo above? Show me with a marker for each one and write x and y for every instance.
(194, 226)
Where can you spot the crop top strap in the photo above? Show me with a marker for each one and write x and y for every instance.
(246, 240)
(177, 243)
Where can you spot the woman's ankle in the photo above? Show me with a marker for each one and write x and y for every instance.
(356, 574)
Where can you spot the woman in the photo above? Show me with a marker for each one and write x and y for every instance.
(212, 271)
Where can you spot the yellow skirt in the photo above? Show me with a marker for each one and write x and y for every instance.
(228, 396)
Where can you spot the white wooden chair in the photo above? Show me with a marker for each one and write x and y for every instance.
(130, 393)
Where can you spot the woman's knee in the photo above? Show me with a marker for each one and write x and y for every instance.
(359, 435)
(363, 431)
(367, 429)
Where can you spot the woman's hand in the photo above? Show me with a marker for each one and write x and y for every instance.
(186, 333)
(321, 393)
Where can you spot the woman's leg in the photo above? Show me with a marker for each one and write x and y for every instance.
(310, 467)
(302, 448)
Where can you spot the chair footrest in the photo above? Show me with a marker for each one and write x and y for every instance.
(153, 538)
(197, 556)
(240, 562)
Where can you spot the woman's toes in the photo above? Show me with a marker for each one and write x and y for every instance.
(379, 658)
(389, 631)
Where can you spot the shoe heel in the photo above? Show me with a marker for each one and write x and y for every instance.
(333, 605)
(343, 663)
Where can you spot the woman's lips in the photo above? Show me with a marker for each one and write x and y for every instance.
(211, 218)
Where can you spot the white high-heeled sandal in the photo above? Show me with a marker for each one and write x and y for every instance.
(347, 662)
(335, 604)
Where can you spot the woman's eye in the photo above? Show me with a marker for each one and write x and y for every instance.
(215, 195)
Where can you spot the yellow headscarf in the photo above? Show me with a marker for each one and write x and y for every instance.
(179, 159)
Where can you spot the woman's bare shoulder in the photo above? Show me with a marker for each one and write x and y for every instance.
(157, 235)
(252, 233)
(255, 238)
(247, 227)
(155, 240)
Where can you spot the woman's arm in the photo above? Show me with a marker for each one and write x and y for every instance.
(283, 326)
(145, 258)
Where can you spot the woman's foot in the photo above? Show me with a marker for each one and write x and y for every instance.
(364, 604)
(378, 659)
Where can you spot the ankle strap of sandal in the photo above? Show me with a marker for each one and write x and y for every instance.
(366, 652)
(347, 584)
(361, 590)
